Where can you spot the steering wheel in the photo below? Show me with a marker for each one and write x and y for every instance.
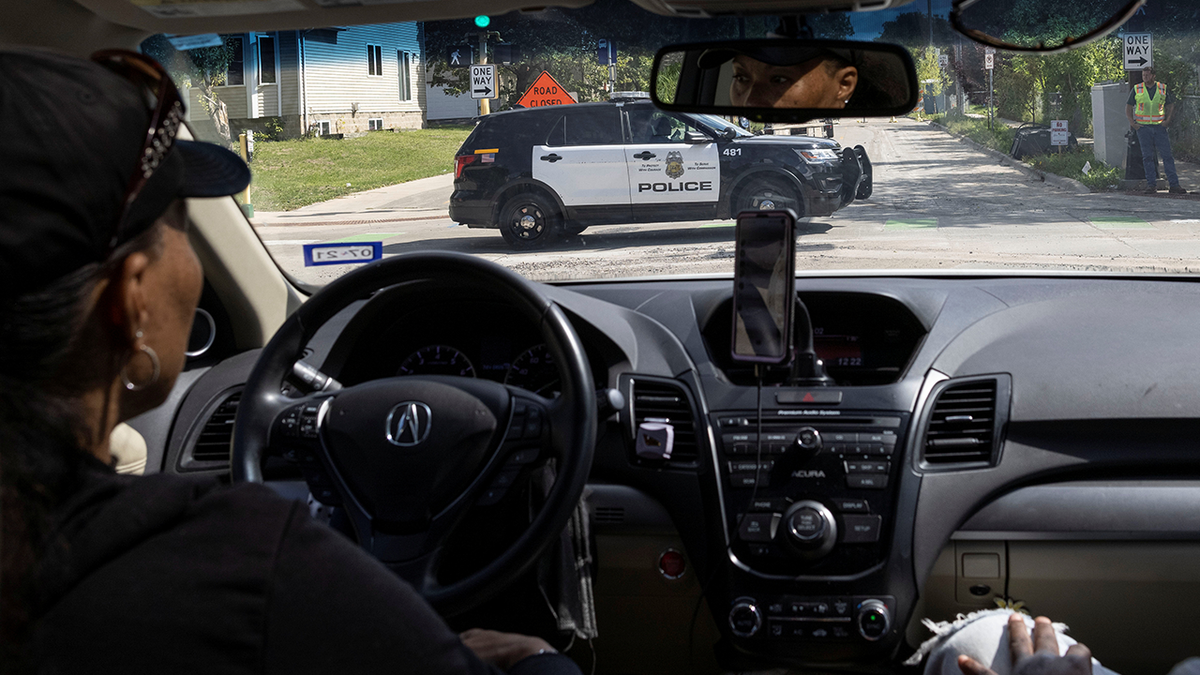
(409, 456)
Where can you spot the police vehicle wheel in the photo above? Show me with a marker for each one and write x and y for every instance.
(527, 221)
(768, 194)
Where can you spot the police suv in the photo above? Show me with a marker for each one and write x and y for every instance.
(535, 173)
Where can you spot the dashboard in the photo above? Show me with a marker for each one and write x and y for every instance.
(1014, 420)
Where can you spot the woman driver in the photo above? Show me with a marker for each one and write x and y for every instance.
(98, 285)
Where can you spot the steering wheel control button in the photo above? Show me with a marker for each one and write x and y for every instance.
(867, 481)
(758, 527)
(526, 456)
(490, 496)
(873, 620)
(852, 505)
(533, 423)
(861, 529)
(505, 478)
(744, 619)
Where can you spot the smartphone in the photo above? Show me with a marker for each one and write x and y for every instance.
(764, 286)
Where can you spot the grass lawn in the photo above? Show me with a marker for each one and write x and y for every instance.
(291, 174)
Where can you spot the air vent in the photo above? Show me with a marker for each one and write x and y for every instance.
(610, 515)
(212, 445)
(962, 426)
(663, 402)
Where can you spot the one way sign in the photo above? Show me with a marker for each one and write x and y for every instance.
(1138, 51)
(483, 81)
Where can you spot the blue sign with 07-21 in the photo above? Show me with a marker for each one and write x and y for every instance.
(342, 254)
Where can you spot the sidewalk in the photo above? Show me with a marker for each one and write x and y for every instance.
(1189, 173)
(423, 199)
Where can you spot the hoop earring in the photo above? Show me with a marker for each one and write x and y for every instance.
(129, 384)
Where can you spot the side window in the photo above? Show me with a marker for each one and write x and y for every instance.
(593, 126)
(557, 135)
(374, 60)
(236, 73)
(266, 60)
(647, 125)
(403, 61)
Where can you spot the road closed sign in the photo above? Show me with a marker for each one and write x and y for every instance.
(544, 91)
(1138, 51)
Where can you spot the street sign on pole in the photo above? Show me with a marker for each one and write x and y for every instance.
(989, 61)
(483, 81)
(458, 56)
(1139, 51)
(606, 52)
(1058, 132)
(943, 60)
(989, 50)
(544, 91)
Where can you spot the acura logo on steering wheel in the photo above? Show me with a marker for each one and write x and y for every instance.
(408, 424)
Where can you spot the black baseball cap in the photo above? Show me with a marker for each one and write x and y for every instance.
(780, 55)
(73, 134)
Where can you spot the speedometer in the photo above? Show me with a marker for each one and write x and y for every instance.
(437, 360)
(534, 371)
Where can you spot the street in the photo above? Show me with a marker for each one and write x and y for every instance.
(937, 204)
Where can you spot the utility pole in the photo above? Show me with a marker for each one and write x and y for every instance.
(485, 106)
(929, 5)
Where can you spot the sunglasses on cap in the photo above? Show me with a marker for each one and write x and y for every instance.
(166, 116)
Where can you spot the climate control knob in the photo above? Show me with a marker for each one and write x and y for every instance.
(873, 620)
(811, 529)
(745, 619)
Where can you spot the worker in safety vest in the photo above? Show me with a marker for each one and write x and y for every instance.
(1149, 110)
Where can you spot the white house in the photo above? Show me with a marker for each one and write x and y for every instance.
(328, 80)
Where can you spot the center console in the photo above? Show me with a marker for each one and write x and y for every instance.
(809, 497)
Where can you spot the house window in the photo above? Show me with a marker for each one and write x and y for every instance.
(266, 60)
(236, 72)
(374, 60)
(375, 124)
(322, 128)
(404, 61)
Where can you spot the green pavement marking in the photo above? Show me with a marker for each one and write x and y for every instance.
(356, 238)
(1119, 223)
(718, 225)
(912, 224)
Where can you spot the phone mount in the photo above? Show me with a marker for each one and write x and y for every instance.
(806, 368)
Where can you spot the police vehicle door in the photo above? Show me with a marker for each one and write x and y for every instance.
(583, 159)
(664, 169)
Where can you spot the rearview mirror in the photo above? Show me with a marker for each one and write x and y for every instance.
(785, 80)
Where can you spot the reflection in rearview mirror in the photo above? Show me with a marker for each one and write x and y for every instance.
(785, 80)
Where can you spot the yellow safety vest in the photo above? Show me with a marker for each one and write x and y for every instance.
(1149, 110)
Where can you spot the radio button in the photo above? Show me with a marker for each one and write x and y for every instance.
(851, 505)
(867, 481)
(739, 438)
(758, 527)
(749, 479)
(861, 529)
(773, 504)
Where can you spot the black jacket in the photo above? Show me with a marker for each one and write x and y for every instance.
(164, 574)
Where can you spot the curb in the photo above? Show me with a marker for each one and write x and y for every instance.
(1051, 178)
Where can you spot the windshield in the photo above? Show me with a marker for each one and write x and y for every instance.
(529, 139)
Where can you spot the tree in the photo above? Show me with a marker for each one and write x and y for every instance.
(911, 30)
(202, 68)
